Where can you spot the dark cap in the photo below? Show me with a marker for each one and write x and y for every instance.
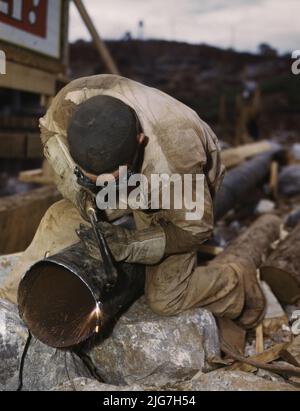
(102, 134)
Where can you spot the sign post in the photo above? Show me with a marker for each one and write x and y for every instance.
(33, 35)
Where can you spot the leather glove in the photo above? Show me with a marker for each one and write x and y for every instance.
(132, 246)
(85, 200)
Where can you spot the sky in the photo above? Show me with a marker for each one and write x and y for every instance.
(241, 24)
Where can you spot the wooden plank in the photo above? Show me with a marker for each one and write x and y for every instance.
(35, 177)
(232, 157)
(266, 357)
(28, 58)
(291, 353)
(13, 122)
(44, 175)
(259, 344)
(274, 179)
(99, 43)
(20, 145)
(20, 216)
(25, 78)
(12, 145)
(34, 147)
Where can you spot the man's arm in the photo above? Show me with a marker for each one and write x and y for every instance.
(170, 233)
(63, 166)
(184, 234)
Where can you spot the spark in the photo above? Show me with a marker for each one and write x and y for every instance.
(98, 316)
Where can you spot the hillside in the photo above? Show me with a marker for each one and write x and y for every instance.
(198, 75)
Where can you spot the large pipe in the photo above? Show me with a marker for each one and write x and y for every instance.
(240, 182)
(64, 299)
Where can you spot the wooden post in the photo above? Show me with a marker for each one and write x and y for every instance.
(274, 179)
(259, 331)
(103, 50)
(232, 157)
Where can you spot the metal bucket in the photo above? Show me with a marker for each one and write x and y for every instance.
(64, 299)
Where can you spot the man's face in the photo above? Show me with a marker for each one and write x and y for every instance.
(115, 175)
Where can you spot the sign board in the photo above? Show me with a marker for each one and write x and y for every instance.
(32, 24)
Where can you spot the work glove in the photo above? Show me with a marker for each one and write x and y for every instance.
(131, 246)
(85, 200)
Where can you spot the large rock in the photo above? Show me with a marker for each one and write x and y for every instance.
(146, 348)
(264, 206)
(289, 180)
(221, 380)
(46, 367)
(87, 384)
(13, 337)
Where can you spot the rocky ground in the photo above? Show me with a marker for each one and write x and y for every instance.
(202, 77)
(144, 352)
(149, 352)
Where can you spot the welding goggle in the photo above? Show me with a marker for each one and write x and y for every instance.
(88, 184)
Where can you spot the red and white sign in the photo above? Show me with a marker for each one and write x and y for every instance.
(33, 24)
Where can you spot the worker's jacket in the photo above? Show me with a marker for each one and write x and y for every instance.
(179, 142)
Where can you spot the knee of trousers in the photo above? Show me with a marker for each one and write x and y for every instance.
(161, 308)
(160, 295)
(59, 210)
(162, 303)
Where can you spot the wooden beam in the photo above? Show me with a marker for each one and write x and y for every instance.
(259, 343)
(35, 177)
(34, 147)
(13, 122)
(232, 157)
(20, 145)
(291, 353)
(18, 55)
(266, 357)
(19, 77)
(12, 145)
(99, 43)
(274, 179)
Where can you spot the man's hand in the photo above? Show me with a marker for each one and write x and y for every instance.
(84, 201)
(133, 246)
